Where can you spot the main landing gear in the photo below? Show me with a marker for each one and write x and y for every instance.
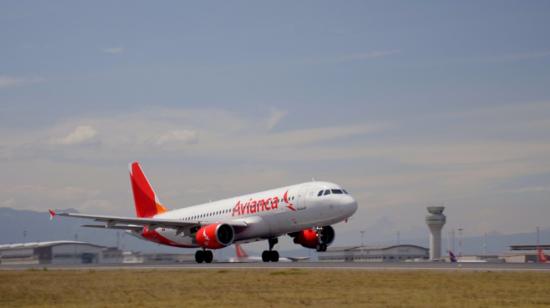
(271, 255)
(204, 255)
(321, 247)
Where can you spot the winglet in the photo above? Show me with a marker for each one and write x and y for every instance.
(52, 214)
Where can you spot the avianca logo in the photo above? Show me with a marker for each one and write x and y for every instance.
(288, 204)
(261, 205)
(206, 238)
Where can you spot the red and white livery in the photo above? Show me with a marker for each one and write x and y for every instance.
(304, 211)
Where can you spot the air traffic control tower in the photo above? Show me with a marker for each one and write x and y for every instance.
(435, 221)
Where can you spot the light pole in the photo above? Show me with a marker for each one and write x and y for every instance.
(485, 243)
(362, 244)
(538, 237)
(460, 242)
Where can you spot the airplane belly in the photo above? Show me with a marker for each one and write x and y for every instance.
(171, 238)
(258, 227)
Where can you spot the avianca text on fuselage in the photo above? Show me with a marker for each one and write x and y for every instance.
(253, 206)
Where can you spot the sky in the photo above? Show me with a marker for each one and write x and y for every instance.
(406, 104)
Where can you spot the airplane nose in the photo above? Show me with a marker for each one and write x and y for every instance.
(350, 204)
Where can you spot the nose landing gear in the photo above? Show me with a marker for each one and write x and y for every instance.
(321, 247)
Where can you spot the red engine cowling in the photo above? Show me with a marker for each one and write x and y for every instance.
(309, 238)
(215, 236)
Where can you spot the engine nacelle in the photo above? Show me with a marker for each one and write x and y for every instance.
(307, 238)
(310, 238)
(215, 236)
(327, 235)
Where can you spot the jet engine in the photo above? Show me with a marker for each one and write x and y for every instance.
(316, 238)
(215, 236)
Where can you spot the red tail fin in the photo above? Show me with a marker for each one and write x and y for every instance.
(145, 199)
(542, 258)
(239, 251)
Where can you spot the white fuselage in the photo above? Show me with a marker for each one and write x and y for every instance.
(268, 213)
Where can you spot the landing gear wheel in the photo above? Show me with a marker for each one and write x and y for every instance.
(271, 255)
(274, 256)
(199, 256)
(266, 255)
(321, 247)
(208, 256)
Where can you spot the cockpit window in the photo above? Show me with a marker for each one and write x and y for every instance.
(320, 193)
(337, 191)
(345, 192)
(327, 192)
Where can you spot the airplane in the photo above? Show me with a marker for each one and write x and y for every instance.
(304, 211)
(542, 258)
(454, 259)
(242, 257)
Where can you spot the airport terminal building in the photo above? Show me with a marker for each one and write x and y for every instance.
(395, 253)
(54, 252)
(75, 252)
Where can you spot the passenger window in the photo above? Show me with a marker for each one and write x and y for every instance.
(337, 191)
(327, 192)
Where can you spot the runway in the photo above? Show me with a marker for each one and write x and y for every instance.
(402, 266)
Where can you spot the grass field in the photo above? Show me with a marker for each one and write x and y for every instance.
(289, 287)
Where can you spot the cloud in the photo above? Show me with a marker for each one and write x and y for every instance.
(60, 194)
(310, 136)
(375, 54)
(8, 203)
(367, 55)
(178, 136)
(113, 50)
(520, 56)
(12, 81)
(83, 134)
(275, 117)
(388, 166)
(175, 133)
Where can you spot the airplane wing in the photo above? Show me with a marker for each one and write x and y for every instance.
(135, 228)
(129, 223)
